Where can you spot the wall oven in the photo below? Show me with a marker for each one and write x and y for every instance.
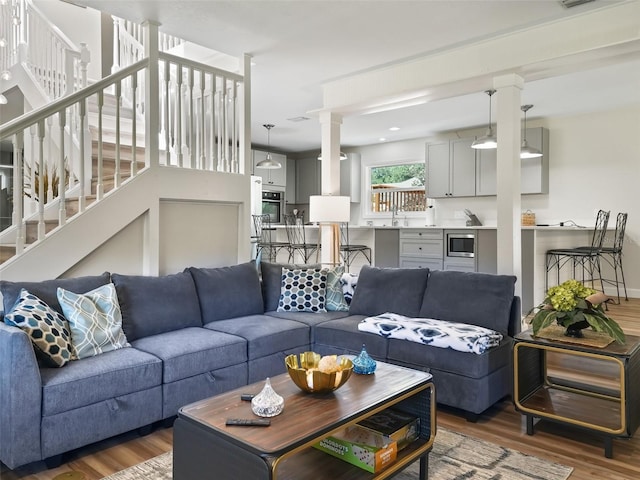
(461, 244)
(273, 205)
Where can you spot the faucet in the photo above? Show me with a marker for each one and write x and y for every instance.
(394, 211)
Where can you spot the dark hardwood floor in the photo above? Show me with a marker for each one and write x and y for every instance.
(501, 425)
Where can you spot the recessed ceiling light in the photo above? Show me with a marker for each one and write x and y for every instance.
(394, 129)
(382, 139)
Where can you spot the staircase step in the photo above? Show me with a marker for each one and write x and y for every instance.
(109, 151)
(31, 229)
(6, 252)
(72, 204)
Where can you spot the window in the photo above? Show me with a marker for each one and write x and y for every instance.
(398, 186)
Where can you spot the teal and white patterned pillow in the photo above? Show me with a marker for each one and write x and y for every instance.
(47, 329)
(303, 290)
(95, 320)
(335, 297)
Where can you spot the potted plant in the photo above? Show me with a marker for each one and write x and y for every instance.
(575, 307)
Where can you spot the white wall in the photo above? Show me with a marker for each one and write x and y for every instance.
(200, 234)
(122, 254)
(594, 163)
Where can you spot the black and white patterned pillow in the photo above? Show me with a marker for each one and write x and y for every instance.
(349, 281)
(303, 290)
(48, 330)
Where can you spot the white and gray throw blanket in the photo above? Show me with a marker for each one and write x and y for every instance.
(437, 333)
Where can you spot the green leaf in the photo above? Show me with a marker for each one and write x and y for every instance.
(543, 319)
(606, 325)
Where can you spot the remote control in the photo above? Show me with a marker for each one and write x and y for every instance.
(249, 422)
(247, 397)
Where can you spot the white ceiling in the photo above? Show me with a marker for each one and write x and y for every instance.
(298, 45)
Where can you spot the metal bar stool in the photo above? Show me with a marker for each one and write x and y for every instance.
(264, 235)
(587, 257)
(613, 255)
(349, 251)
(297, 239)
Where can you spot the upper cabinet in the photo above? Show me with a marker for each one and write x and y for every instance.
(270, 177)
(451, 169)
(350, 177)
(307, 178)
(534, 172)
(290, 188)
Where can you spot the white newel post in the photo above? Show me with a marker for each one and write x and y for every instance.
(245, 108)
(508, 88)
(151, 255)
(330, 171)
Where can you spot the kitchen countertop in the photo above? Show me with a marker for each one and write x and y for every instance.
(455, 227)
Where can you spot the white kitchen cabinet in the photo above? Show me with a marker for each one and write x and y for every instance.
(350, 173)
(534, 172)
(460, 265)
(421, 248)
(451, 169)
(270, 176)
(307, 178)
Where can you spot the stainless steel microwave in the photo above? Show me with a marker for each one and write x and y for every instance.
(461, 245)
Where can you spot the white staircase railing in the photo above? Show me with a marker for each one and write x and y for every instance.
(199, 115)
(27, 37)
(40, 169)
(199, 122)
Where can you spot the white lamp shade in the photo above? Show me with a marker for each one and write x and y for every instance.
(329, 209)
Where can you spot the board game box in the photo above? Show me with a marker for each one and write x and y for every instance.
(373, 443)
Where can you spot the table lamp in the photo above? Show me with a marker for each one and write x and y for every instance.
(330, 210)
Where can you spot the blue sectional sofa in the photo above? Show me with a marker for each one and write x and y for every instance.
(204, 331)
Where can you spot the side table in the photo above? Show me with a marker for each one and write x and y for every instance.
(579, 397)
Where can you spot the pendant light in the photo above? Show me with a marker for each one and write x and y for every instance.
(489, 140)
(526, 151)
(343, 156)
(268, 162)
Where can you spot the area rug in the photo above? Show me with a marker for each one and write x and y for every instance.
(454, 456)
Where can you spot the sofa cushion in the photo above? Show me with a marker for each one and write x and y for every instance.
(228, 292)
(396, 290)
(191, 351)
(272, 281)
(47, 289)
(48, 330)
(309, 318)
(94, 319)
(94, 379)
(303, 290)
(344, 336)
(453, 361)
(481, 299)
(152, 305)
(264, 334)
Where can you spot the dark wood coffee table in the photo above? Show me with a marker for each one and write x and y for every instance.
(204, 446)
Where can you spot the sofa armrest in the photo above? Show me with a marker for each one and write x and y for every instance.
(515, 317)
(20, 397)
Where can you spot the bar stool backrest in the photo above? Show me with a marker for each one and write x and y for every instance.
(599, 231)
(621, 224)
(295, 229)
(262, 226)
